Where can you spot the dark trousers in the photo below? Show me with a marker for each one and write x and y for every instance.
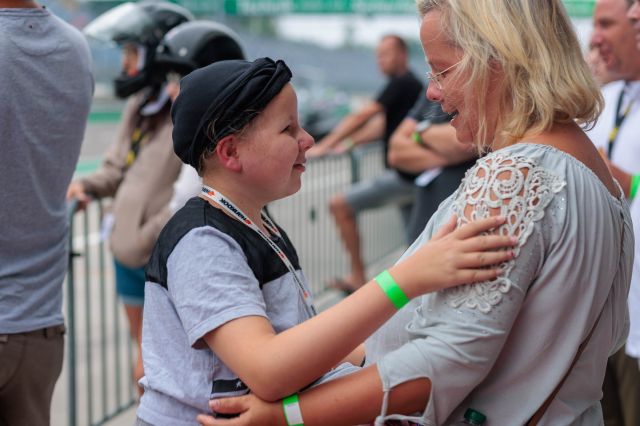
(30, 364)
(621, 391)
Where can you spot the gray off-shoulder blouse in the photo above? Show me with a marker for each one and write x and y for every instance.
(501, 347)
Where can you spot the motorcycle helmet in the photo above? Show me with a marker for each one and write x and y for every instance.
(196, 44)
(142, 24)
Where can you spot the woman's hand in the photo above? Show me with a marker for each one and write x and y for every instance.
(455, 256)
(76, 191)
(251, 410)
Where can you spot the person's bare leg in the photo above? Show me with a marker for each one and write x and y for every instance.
(348, 228)
(134, 314)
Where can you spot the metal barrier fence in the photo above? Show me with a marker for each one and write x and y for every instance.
(99, 358)
(306, 219)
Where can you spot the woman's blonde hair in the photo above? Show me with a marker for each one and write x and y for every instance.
(546, 79)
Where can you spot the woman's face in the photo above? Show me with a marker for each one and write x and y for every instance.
(273, 148)
(450, 88)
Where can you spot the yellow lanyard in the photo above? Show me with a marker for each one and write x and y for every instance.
(138, 138)
(618, 122)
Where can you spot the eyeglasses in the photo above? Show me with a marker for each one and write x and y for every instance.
(437, 77)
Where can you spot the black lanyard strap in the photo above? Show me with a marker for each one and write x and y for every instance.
(619, 118)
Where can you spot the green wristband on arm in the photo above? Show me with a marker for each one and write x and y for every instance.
(635, 182)
(417, 139)
(391, 288)
(349, 143)
(292, 413)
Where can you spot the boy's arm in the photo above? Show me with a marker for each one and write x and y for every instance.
(275, 365)
(356, 357)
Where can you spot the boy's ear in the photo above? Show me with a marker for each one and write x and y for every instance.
(227, 150)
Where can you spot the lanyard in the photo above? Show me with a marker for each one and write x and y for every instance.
(618, 122)
(138, 138)
(234, 211)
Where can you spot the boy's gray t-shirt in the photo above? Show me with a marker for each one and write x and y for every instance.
(46, 87)
(209, 283)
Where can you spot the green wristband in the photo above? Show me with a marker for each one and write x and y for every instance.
(635, 182)
(349, 143)
(417, 138)
(291, 408)
(392, 289)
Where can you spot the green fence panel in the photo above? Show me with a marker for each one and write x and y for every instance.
(576, 8)
(580, 8)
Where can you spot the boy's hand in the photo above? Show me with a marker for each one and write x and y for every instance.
(251, 410)
(455, 256)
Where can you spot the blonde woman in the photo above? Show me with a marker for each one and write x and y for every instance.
(512, 74)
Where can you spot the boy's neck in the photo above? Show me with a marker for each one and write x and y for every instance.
(242, 200)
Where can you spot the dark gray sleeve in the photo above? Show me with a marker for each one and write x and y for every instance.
(424, 109)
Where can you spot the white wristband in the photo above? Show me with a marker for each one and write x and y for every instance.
(292, 412)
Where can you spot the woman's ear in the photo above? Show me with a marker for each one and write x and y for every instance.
(228, 155)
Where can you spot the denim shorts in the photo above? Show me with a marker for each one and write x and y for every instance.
(129, 284)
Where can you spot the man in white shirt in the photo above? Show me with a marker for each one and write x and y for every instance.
(633, 342)
(617, 128)
(616, 136)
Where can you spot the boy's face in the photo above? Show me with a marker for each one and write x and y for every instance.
(273, 149)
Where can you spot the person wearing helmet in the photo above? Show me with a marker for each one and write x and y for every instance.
(141, 27)
(140, 167)
(185, 48)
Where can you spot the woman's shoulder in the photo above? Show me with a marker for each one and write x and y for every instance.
(523, 154)
(550, 161)
(547, 165)
(522, 180)
(520, 170)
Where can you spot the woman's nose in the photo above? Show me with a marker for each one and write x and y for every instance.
(434, 93)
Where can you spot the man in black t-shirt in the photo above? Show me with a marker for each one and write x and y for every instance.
(426, 143)
(394, 101)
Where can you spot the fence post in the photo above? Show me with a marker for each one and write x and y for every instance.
(355, 166)
(71, 321)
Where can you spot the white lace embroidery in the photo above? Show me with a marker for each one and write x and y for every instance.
(520, 190)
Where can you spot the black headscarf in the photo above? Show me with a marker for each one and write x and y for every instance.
(228, 94)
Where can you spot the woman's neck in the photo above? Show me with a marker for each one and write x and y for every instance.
(558, 135)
